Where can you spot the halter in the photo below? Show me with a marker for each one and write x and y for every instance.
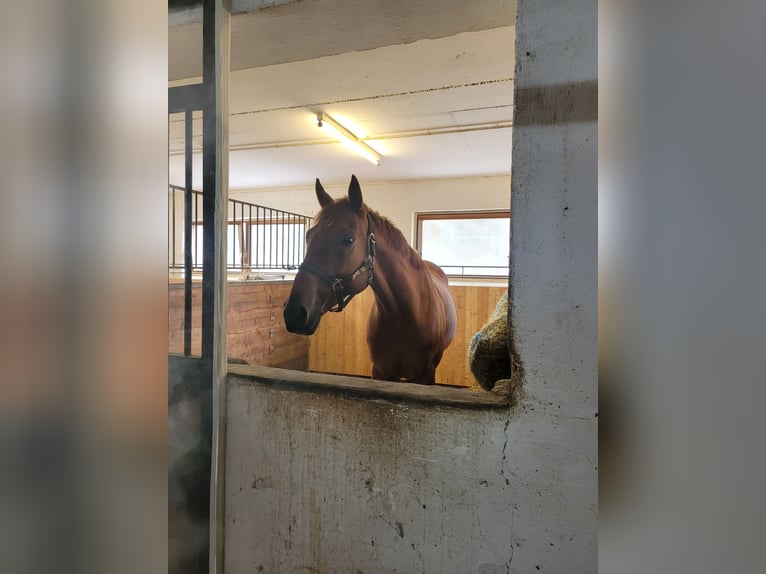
(340, 285)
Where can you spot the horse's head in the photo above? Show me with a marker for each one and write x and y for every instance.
(340, 252)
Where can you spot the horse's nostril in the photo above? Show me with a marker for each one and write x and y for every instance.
(296, 315)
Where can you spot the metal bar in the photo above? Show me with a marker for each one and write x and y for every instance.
(272, 239)
(262, 235)
(216, 40)
(188, 196)
(257, 246)
(282, 240)
(196, 228)
(242, 240)
(173, 234)
(240, 236)
(231, 248)
(272, 243)
(236, 263)
(187, 98)
(250, 238)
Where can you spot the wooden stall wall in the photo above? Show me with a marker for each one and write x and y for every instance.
(256, 329)
(340, 343)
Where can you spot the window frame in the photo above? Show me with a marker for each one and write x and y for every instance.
(422, 216)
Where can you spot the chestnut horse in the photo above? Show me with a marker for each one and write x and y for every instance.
(351, 247)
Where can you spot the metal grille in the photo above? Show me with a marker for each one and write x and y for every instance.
(259, 238)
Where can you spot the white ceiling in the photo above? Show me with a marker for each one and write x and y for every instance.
(435, 107)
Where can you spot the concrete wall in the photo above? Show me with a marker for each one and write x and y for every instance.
(554, 278)
(396, 200)
(324, 483)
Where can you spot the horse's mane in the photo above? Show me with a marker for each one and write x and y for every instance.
(381, 225)
(395, 237)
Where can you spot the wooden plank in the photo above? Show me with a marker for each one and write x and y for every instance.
(339, 345)
(255, 325)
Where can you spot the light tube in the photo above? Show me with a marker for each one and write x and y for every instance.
(344, 136)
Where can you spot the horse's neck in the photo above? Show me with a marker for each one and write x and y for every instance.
(398, 284)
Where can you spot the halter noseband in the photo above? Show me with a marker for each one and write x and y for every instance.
(340, 285)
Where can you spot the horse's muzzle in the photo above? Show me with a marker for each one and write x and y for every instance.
(298, 319)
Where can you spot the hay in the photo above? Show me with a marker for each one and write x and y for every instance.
(488, 355)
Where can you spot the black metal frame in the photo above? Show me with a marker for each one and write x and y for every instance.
(211, 98)
(286, 239)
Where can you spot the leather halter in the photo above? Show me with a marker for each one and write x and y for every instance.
(340, 285)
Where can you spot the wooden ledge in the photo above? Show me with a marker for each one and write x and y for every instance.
(364, 388)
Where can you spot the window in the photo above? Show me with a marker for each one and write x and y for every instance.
(466, 244)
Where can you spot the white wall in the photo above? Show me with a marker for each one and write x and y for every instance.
(396, 200)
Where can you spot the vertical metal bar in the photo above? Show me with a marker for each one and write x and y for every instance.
(282, 248)
(215, 71)
(258, 241)
(234, 238)
(188, 162)
(173, 210)
(249, 237)
(262, 236)
(266, 243)
(274, 232)
(280, 238)
(242, 240)
(196, 228)
(257, 247)
(240, 235)
(230, 248)
(264, 262)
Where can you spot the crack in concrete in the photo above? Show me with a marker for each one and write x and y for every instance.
(502, 473)
(510, 559)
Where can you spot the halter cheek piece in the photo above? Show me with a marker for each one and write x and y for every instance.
(341, 285)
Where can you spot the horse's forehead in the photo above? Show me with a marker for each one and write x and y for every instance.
(334, 217)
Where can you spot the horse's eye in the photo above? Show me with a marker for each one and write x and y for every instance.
(348, 240)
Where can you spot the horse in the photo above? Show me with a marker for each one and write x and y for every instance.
(351, 247)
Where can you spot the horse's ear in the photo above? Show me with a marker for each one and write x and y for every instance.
(323, 197)
(355, 194)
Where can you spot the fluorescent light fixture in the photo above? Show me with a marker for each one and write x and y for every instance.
(344, 136)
